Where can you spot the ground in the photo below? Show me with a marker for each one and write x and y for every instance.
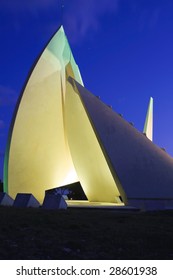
(85, 234)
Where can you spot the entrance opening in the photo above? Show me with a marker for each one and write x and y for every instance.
(72, 191)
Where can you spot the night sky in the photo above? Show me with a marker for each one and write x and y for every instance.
(124, 50)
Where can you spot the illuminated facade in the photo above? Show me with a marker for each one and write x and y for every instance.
(37, 155)
(62, 134)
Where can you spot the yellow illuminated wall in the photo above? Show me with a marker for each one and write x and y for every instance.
(37, 156)
(90, 162)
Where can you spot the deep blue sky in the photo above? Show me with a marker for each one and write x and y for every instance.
(124, 49)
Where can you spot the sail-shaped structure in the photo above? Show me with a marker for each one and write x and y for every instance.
(37, 154)
(61, 134)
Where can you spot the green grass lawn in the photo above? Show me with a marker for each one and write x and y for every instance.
(85, 234)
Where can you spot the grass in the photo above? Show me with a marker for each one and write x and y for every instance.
(85, 234)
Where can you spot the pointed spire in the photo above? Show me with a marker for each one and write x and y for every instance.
(148, 127)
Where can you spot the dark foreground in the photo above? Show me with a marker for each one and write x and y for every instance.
(85, 234)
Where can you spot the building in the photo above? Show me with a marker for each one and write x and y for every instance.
(61, 134)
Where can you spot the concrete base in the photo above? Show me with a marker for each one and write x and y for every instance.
(25, 200)
(83, 204)
(5, 199)
(86, 203)
(52, 201)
